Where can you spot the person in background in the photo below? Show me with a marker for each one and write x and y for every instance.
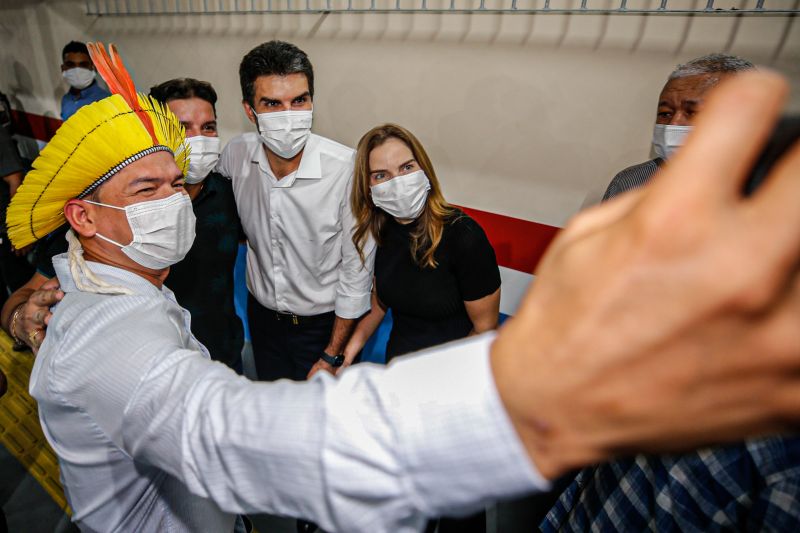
(78, 71)
(434, 266)
(750, 486)
(14, 268)
(6, 120)
(203, 280)
(680, 101)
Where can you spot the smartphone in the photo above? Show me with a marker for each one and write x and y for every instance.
(785, 134)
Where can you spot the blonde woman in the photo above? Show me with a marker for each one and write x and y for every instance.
(434, 266)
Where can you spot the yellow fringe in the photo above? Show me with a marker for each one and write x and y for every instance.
(88, 145)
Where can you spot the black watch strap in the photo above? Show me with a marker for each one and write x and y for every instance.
(333, 360)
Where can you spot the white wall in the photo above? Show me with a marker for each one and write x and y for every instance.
(529, 116)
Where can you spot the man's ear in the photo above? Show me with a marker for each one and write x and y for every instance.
(80, 216)
(248, 110)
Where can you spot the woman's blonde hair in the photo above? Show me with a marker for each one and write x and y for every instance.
(370, 219)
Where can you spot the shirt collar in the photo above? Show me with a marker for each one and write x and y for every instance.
(80, 93)
(208, 189)
(113, 275)
(310, 166)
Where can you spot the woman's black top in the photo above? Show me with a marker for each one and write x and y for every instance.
(428, 303)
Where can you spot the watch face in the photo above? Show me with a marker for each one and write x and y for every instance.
(333, 360)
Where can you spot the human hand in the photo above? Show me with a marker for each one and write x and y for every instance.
(667, 318)
(320, 365)
(34, 314)
(347, 362)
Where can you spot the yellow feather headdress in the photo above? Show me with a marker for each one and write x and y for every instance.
(90, 147)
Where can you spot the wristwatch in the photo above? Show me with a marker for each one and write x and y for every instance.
(334, 360)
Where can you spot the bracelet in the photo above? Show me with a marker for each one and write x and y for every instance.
(13, 328)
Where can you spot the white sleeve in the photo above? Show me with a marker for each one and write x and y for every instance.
(224, 164)
(377, 450)
(355, 277)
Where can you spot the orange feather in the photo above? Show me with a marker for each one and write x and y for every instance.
(122, 72)
(97, 53)
(113, 71)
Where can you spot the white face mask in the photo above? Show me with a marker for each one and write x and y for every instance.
(402, 196)
(163, 230)
(79, 78)
(667, 139)
(203, 157)
(285, 132)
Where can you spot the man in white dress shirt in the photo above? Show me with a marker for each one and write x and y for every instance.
(154, 436)
(307, 284)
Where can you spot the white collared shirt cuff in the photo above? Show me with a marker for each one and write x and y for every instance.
(460, 440)
(351, 307)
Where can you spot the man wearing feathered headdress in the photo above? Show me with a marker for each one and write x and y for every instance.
(209, 262)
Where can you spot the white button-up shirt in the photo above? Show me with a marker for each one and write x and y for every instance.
(300, 255)
(152, 435)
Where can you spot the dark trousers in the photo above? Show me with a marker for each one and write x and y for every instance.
(283, 348)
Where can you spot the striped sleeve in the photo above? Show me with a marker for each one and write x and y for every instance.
(631, 178)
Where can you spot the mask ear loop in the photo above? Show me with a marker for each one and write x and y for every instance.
(255, 118)
(80, 270)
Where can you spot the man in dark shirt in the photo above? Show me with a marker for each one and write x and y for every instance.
(203, 281)
(11, 171)
(680, 100)
(78, 71)
(210, 262)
